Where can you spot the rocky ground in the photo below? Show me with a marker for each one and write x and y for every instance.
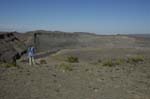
(98, 74)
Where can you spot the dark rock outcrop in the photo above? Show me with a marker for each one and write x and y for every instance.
(11, 47)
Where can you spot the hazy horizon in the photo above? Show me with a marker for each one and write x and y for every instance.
(94, 16)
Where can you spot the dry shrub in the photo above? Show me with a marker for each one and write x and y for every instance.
(42, 61)
(72, 59)
(66, 67)
(135, 59)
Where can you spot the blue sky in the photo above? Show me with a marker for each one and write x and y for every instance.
(98, 16)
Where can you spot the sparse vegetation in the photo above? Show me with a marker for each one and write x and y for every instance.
(8, 65)
(99, 61)
(111, 62)
(43, 61)
(114, 62)
(135, 59)
(66, 67)
(119, 61)
(72, 59)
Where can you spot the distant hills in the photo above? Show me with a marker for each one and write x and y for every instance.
(140, 35)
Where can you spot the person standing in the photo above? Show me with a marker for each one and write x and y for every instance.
(31, 55)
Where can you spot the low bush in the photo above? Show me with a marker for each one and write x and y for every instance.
(66, 67)
(99, 61)
(8, 65)
(135, 59)
(111, 62)
(72, 59)
(119, 61)
(43, 61)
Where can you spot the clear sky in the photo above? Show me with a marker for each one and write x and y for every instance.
(98, 16)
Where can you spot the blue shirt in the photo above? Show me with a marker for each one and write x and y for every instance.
(31, 52)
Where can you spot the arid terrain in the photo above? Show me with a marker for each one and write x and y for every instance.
(80, 66)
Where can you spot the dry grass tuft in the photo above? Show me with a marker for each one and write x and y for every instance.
(72, 59)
